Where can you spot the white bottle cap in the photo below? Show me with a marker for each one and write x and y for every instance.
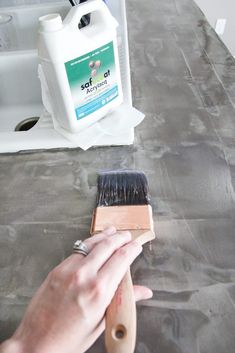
(52, 22)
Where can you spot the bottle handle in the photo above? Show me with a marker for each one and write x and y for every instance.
(99, 9)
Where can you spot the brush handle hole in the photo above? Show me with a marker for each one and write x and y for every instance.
(119, 332)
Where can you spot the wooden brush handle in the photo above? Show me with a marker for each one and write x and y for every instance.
(120, 332)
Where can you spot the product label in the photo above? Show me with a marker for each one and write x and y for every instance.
(92, 80)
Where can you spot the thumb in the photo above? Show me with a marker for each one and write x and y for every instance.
(142, 293)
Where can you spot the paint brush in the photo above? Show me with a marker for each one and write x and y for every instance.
(123, 201)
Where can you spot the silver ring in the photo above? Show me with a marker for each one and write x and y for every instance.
(79, 247)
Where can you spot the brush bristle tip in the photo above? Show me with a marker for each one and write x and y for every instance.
(116, 188)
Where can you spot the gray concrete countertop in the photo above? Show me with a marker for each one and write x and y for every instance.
(184, 81)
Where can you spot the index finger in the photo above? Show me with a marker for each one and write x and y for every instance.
(115, 268)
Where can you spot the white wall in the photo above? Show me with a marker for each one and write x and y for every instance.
(214, 9)
(22, 2)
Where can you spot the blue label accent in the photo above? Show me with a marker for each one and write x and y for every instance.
(96, 104)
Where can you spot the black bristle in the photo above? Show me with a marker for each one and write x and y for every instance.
(119, 188)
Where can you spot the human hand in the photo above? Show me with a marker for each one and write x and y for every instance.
(66, 315)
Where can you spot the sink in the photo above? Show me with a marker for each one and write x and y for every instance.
(20, 92)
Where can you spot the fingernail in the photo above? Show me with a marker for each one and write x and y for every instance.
(149, 294)
(110, 230)
(124, 233)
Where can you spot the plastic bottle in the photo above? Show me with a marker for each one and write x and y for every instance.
(81, 66)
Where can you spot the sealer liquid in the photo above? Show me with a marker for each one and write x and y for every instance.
(81, 66)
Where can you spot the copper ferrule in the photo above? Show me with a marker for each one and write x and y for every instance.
(122, 218)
